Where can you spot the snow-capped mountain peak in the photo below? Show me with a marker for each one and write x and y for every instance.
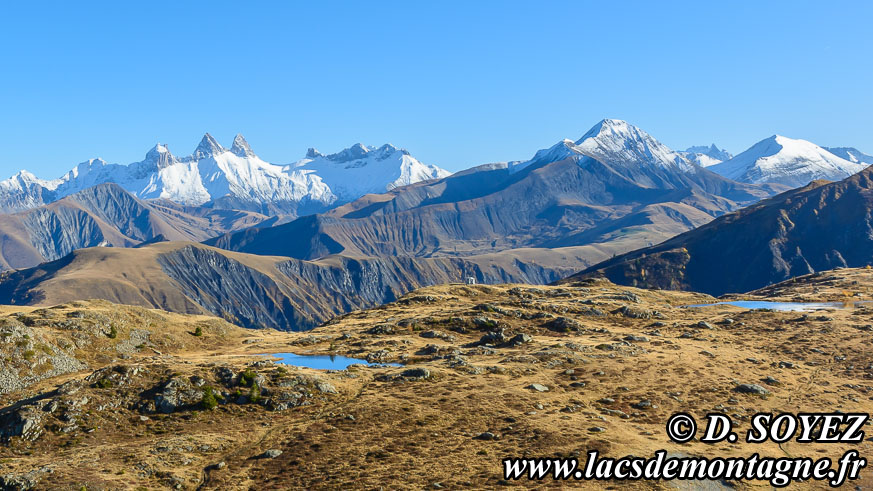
(241, 147)
(208, 147)
(160, 156)
(235, 178)
(616, 143)
(787, 161)
(354, 152)
(619, 143)
(360, 169)
(706, 156)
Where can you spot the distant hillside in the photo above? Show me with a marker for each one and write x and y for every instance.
(107, 215)
(254, 291)
(821, 226)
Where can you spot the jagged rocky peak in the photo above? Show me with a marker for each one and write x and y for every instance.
(618, 142)
(313, 153)
(160, 155)
(710, 151)
(354, 152)
(357, 151)
(87, 166)
(208, 147)
(388, 150)
(241, 147)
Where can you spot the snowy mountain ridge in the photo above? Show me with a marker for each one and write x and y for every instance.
(615, 142)
(788, 161)
(851, 154)
(360, 170)
(232, 178)
(706, 156)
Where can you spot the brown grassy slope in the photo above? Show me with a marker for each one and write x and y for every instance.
(379, 430)
(276, 292)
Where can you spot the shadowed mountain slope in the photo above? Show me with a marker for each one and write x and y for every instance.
(818, 227)
(250, 290)
(106, 215)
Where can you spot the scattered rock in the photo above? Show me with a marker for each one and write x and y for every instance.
(381, 329)
(494, 337)
(420, 373)
(751, 389)
(563, 324)
(538, 387)
(519, 339)
(636, 339)
(642, 405)
(486, 435)
(770, 381)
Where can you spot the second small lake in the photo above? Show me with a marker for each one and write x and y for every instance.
(323, 362)
(779, 306)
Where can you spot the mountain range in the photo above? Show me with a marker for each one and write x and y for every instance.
(614, 182)
(234, 178)
(706, 156)
(821, 226)
(613, 190)
(786, 161)
(570, 206)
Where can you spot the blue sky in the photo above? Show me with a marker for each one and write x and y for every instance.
(457, 83)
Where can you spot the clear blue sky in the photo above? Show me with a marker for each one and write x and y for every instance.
(458, 84)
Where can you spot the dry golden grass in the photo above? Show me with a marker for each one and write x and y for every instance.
(376, 432)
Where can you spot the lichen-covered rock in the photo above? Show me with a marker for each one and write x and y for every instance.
(25, 422)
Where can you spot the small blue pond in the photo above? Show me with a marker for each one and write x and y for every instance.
(779, 306)
(324, 362)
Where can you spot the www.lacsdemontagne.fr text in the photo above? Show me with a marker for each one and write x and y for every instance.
(779, 472)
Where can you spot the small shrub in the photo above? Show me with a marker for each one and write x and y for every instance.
(29, 354)
(104, 383)
(255, 393)
(113, 332)
(247, 378)
(209, 401)
(198, 331)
